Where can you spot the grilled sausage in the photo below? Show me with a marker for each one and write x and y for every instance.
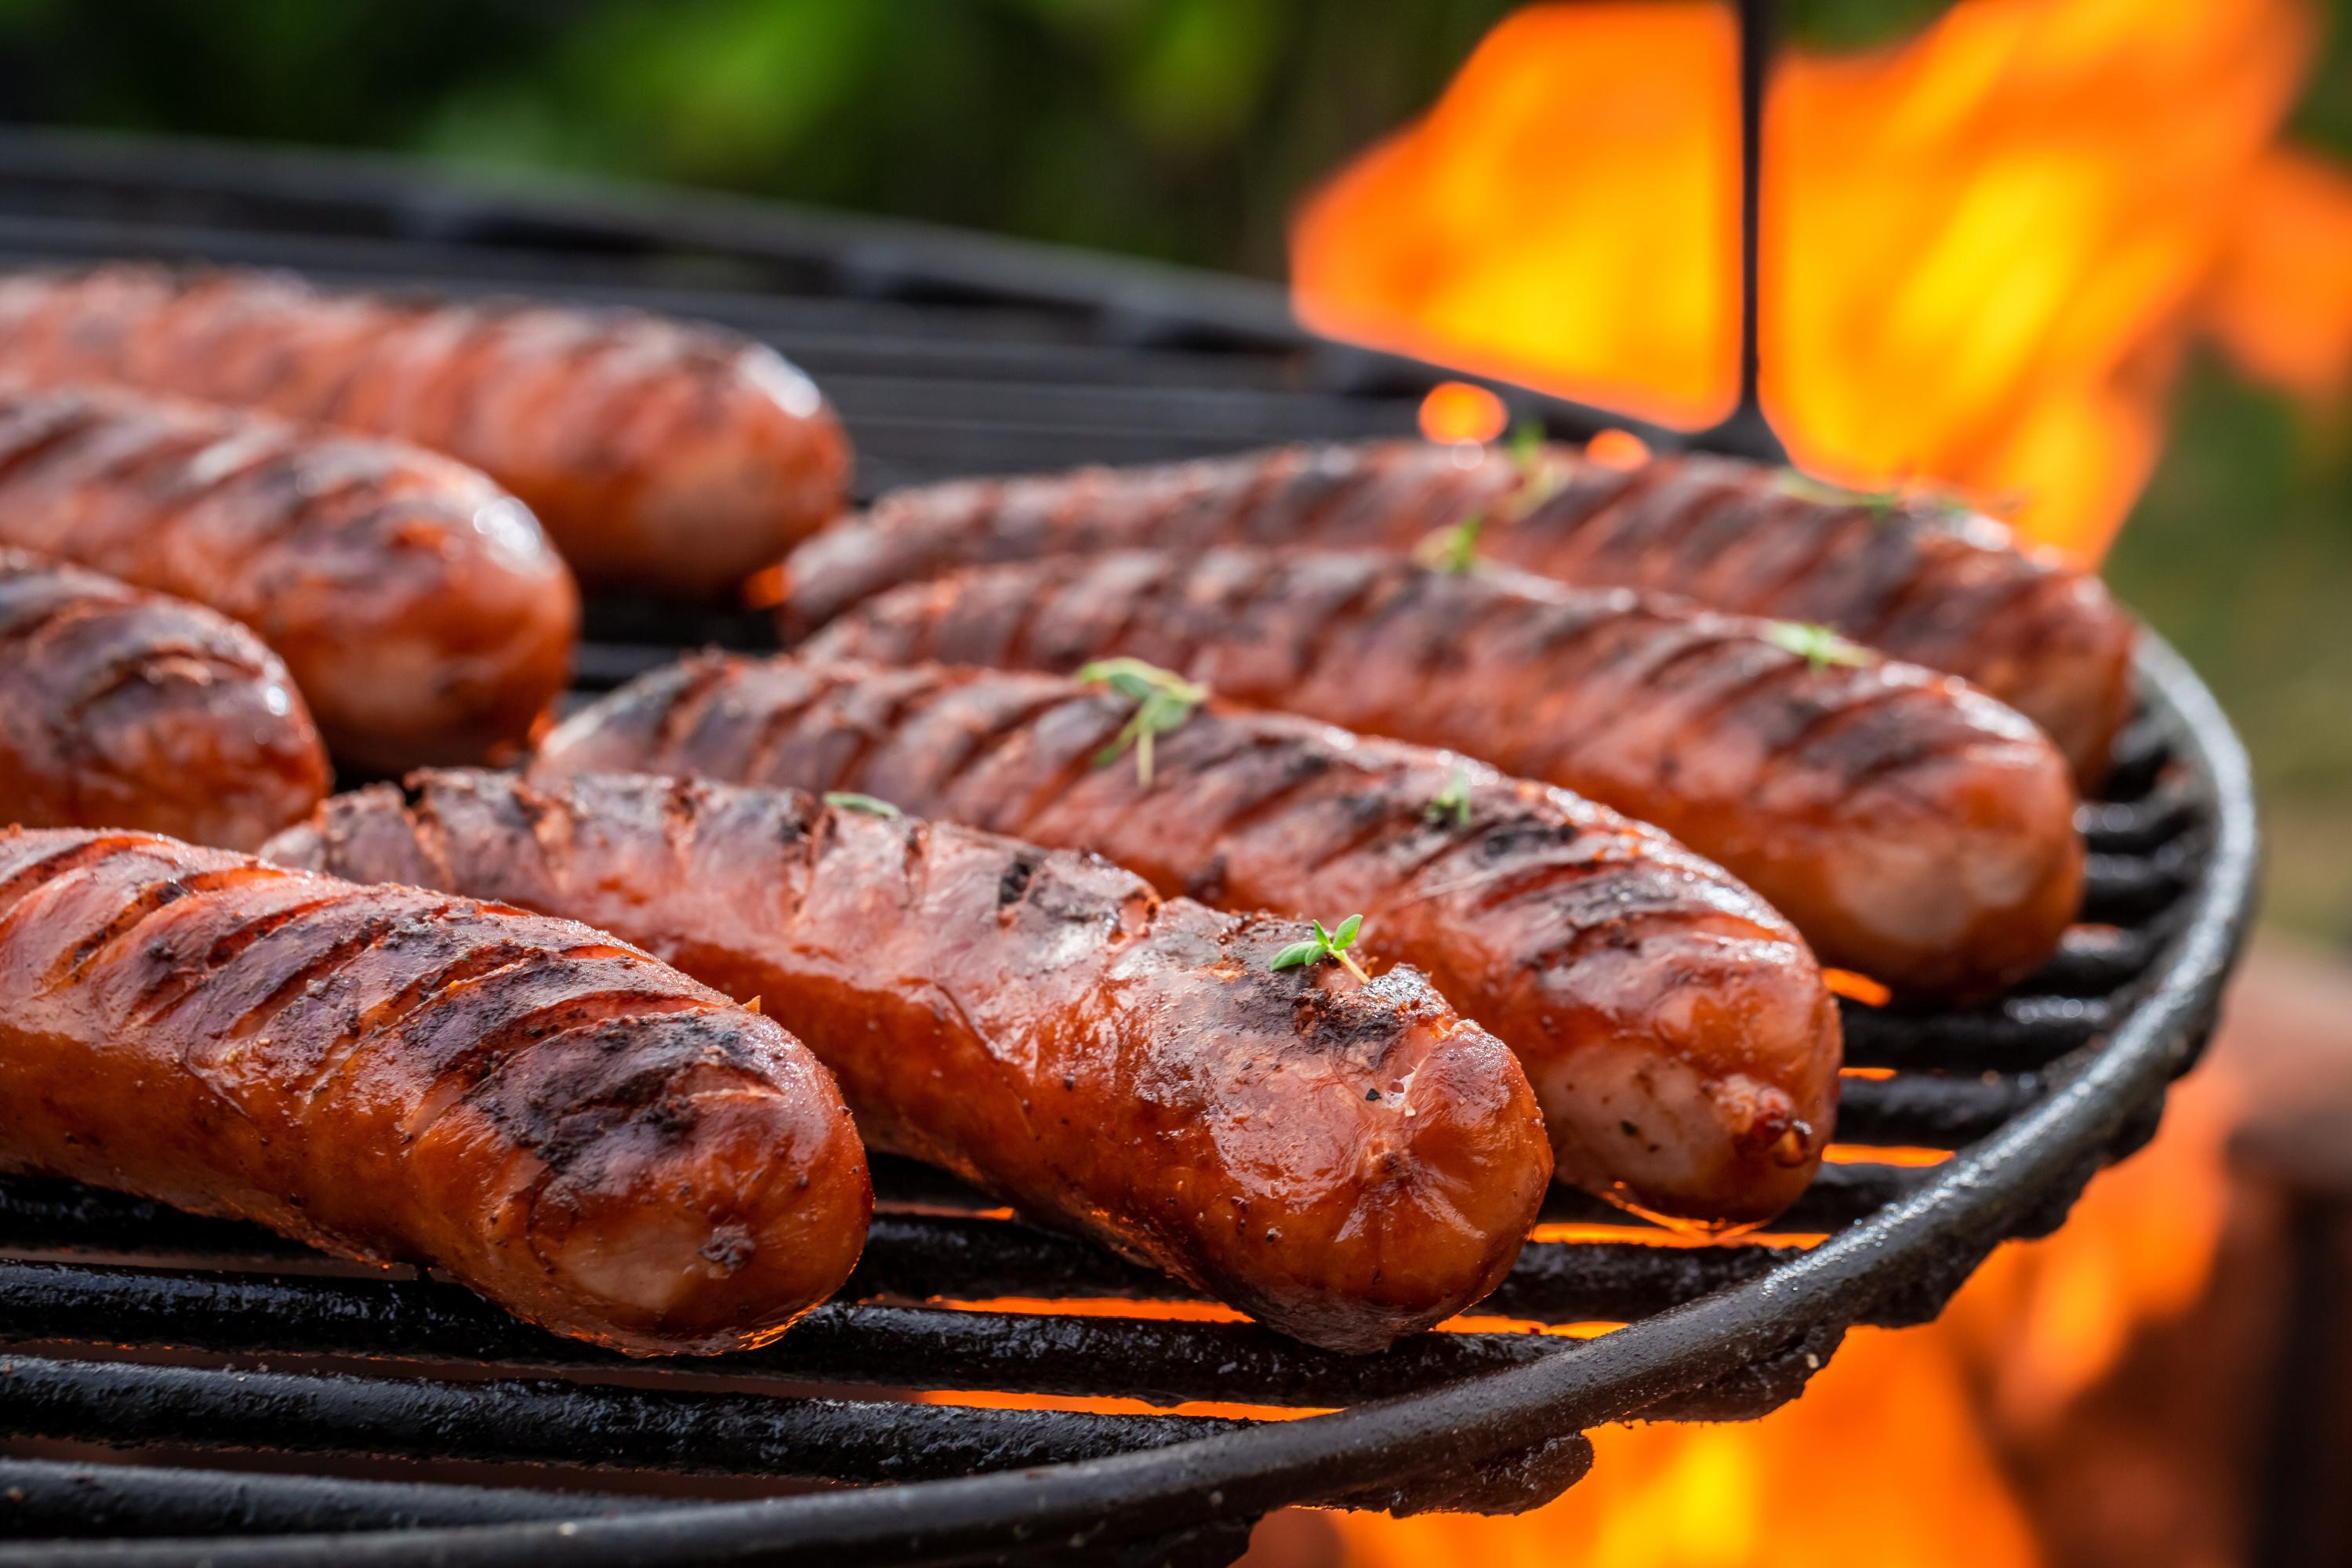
(586, 1137)
(1916, 580)
(420, 610)
(664, 456)
(1346, 1163)
(1677, 1030)
(120, 709)
(1911, 827)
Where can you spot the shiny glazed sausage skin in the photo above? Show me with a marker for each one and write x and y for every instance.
(1346, 1163)
(122, 709)
(1675, 1029)
(1916, 580)
(422, 612)
(584, 1135)
(1911, 827)
(664, 456)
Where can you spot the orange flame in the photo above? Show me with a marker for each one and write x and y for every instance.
(1984, 251)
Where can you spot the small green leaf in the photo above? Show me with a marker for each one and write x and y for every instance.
(1325, 945)
(1163, 700)
(850, 800)
(1817, 646)
(1454, 551)
(1881, 504)
(1526, 444)
(1452, 801)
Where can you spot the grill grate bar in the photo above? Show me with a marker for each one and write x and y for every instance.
(932, 1257)
(37, 1214)
(42, 1499)
(2017, 1035)
(538, 1421)
(1159, 1361)
(1932, 1111)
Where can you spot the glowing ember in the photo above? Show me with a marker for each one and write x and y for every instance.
(1857, 987)
(1983, 251)
(1457, 411)
(1618, 449)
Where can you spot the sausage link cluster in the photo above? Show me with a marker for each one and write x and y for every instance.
(1914, 579)
(584, 1135)
(1347, 1164)
(1676, 1028)
(1911, 827)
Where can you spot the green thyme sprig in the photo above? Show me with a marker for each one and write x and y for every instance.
(850, 800)
(1454, 550)
(1163, 699)
(1325, 944)
(1452, 801)
(1881, 504)
(1817, 646)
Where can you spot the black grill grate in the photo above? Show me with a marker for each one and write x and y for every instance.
(162, 1375)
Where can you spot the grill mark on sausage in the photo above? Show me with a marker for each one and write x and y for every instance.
(483, 1058)
(1588, 523)
(1640, 685)
(135, 912)
(899, 703)
(53, 868)
(1011, 727)
(319, 962)
(468, 967)
(175, 976)
(34, 441)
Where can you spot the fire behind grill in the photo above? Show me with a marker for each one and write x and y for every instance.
(165, 1377)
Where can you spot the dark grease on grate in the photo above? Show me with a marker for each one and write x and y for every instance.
(162, 1374)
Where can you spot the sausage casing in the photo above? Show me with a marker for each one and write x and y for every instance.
(422, 612)
(1677, 1030)
(1347, 1164)
(1911, 827)
(1917, 580)
(664, 456)
(123, 709)
(584, 1135)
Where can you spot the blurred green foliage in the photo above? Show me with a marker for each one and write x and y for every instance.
(1184, 129)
